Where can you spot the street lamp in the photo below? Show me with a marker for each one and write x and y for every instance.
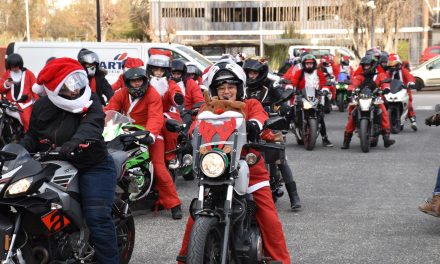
(98, 22)
(28, 33)
(372, 6)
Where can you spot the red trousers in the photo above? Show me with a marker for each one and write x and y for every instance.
(411, 112)
(350, 127)
(23, 117)
(170, 137)
(333, 91)
(267, 218)
(168, 196)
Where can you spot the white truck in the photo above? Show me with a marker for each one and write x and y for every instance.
(111, 54)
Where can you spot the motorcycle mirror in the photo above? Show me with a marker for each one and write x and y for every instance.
(285, 96)
(437, 107)
(173, 125)
(276, 123)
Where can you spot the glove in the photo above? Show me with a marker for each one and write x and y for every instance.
(386, 91)
(349, 93)
(284, 109)
(147, 140)
(412, 86)
(69, 146)
(433, 120)
(253, 130)
(178, 98)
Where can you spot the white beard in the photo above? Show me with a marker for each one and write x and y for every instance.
(16, 76)
(160, 84)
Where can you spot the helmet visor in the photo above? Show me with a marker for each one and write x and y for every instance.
(73, 84)
(90, 58)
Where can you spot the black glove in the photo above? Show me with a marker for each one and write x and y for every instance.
(253, 130)
(349, 93)
(178, 98)
(148, 140)
(284, 109)
(412, 86)
(433, 120)
(69, 146)
(386, 91)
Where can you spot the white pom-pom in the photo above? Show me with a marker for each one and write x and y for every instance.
(38, 89)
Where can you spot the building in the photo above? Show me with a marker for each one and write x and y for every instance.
(208, 23)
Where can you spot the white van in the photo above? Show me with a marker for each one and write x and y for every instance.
(319, 51)
(111, 54)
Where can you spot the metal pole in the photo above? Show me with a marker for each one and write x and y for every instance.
(372, 28)
(160, 22)
(28, 33)
(98, 22)
(261, 30)
(438, 6)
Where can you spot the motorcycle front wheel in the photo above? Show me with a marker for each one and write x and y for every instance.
(364, 135)
(340, 102)
(205, 243)
(394, 113)
(310, 134)
(125, 230)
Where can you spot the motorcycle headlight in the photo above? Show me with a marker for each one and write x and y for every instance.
(213, 164)
(307, 104)
(19, 187)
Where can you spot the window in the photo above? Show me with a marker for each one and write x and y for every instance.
(320, 13)
(434, 65)
(252, 14)
(183, 12)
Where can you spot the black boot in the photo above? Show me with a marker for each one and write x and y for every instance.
(387, 142)
(347, 140)
(295, 202)
(176, 212)
(413, 123)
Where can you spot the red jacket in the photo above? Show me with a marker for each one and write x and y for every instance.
(168, 96)
(27, 81)
(405, 76)
(146, 111)
(193, 94)
(118, 84)
(378, 78)
(301, 83)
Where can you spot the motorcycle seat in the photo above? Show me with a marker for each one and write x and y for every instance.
(119, 158)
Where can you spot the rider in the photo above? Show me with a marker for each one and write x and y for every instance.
(69, 115)
(329, 68)
(128, 63)
(227, 80)
(396, 71)
(261, 88)
(344, 66)
(193, 72)
(143, 104)
(383, 61)
(97, 81)
(310, 75)
(17, 84)
(189, 87)
(369, 75)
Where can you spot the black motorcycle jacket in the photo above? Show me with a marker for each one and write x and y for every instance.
(102, 86)
(266, 94)
(59, 126)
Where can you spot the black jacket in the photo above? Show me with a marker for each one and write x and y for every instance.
(103, 88)
(266, 94)
(59, 126)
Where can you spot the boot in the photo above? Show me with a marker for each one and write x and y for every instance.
(387, 142)
(347, 140)
(431, 206)
(295, 202)
(326, 142)
(373, 141)
(413, 123)
(176, 212)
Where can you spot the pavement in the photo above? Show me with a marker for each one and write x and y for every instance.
(357, 207)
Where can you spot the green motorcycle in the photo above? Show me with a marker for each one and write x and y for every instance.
(341, 91)
(132, 159)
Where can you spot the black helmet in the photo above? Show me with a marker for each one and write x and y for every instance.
(261, 68)
(88, 56)
(226, 72)
(193, 69)
(369, 60)
(308, 58)
(178, 66)
(14, 60)
(375, 52)
(133, 74)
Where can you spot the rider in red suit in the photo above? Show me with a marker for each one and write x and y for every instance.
(370, 74)
(396, 71)
(142, 103)
(127, 64)
(17, 84)
(227, 81)
(343, 66)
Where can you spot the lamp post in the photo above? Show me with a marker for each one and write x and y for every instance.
(261, 30)
(372, 6)
(98, 22)
(28, 32)
(160, 22)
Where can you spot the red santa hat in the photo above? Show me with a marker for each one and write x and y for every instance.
(133, 63)
(161, 52)
(51, 78)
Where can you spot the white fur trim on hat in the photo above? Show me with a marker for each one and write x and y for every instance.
(38, 89)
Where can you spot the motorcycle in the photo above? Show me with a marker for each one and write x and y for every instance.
(367, 115)
(41, 219)
(397, 101)
(341, 91)
(225, 228)
(308, 111)
(132, 159)
(10, 128)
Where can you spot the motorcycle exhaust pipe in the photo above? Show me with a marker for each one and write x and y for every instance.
(41, 254)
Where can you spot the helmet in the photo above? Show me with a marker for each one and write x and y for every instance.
(178, 66)
(345, 60)
(369, 60)
(308, 58)
(375, 52)
(86, 56)
(394, 60)
(325, 60)
(159, 61)
(225, 71)
(193, 69)
(261, 68)
(14, 60)
(133, 74)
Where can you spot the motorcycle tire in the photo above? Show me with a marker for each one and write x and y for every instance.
(394, 113)
(328, 106)
(125, 230)
(188, 176)
(205, 242)
(340, 102)
(364, 135)
(310, 134)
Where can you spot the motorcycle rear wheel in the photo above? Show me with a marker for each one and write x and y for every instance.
(364, 135)
(310, 134)
(205, 243)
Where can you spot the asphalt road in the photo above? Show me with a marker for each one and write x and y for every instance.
(357, 207)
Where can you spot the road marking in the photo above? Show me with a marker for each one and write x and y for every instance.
(424, 107)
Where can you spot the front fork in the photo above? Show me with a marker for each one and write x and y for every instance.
(9, 256)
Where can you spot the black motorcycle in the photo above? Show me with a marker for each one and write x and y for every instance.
(10, 128)
(41, 219)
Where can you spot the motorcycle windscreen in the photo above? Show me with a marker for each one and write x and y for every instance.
(396, 86)
(24, 159)
(113, 123)
(217, 131)
(342, 77)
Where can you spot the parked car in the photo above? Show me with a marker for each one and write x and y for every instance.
(427, 73)
(430, 52)
(319, 51)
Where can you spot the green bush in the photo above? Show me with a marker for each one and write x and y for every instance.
(277, 55)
